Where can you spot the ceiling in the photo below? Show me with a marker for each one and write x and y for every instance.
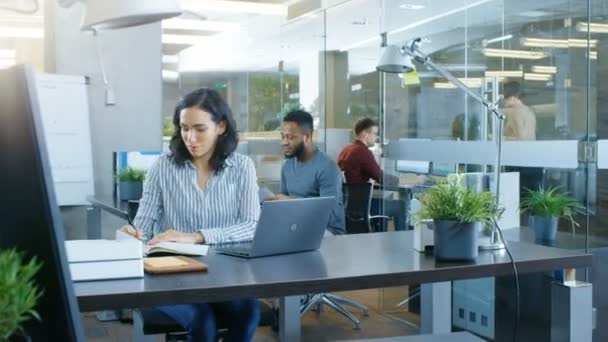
(354, 26)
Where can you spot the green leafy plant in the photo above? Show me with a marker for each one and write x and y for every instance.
(18, 292)
(551, 203)
(168, 127)
(451, 200)
(132, 175)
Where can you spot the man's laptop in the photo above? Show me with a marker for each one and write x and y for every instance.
(286, 226)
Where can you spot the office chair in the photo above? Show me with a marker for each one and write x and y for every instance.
(357, 207)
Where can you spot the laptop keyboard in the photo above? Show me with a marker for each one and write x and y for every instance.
(242, 248)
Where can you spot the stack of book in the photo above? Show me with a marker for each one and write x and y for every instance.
(105, 259)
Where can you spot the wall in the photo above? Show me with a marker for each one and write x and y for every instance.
(132, 59)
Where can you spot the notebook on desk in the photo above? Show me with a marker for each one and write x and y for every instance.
(188, 249)
(165, 247)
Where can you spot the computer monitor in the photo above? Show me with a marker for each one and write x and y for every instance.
(29, 215)
(411, 166)
(443, 169)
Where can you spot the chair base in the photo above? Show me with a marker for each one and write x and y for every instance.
(336, 303)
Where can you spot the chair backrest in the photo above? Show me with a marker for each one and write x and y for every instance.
(357, 202)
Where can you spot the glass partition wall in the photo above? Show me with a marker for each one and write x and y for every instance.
(544, 63)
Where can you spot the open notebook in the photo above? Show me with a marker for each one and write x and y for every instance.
(176, 248)
(168, 247)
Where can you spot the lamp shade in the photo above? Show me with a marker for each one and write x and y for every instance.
(114, 14)
(393, 60)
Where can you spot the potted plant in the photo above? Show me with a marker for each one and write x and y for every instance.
(546, 206)
(458, 214)
(130, 184)
(18, 293)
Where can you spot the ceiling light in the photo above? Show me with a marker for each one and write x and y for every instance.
(199, 25)
(417, 24)
(21, 32)
(469, 82)
(170, 76)
(535, 14)
(558, 43)
(411, 6)
(497, 39)
(537, 77)
(170, 59)
(592, 54)
(544, 69)
(8, 53)
(234, 7)
(592, 27)
(183, 39)
(7, 63)
(521, 54)
(504, 73)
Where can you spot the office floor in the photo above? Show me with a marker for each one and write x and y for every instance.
(327, 326)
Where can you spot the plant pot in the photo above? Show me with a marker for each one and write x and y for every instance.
(455, 240)
(129, 190)
(545, 228)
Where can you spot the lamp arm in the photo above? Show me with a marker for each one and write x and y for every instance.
(421, 57)
(413, 50)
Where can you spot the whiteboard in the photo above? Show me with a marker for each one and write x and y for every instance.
(64, 109)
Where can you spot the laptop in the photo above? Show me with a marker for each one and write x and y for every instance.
(286, 226)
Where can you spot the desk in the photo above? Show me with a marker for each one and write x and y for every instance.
(105, 203)
(405, 194)
(347, 262)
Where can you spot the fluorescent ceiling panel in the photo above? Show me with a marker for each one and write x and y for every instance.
(170, 59)
(557, 43)
(183, 39)
(199, 25)
(537, 77)
(520, 54)
(504, 73)
(469, 82)
(234, 7)
(592, 27)
(21, 32)
(544, 69)
(8, 53)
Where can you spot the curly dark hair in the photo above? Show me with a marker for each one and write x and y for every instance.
(211, 102)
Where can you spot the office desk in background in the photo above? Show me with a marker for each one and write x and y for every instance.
(106, 203)
(348, 262)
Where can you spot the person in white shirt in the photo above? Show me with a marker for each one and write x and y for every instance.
(203, 192)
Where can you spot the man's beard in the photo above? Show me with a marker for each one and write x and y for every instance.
(298, 152)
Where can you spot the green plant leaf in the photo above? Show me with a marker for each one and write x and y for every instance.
(18, 292)
(552, 203)
(451, 200)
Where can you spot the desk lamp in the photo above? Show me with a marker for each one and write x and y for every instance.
(397, 59)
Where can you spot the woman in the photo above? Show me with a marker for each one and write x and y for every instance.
(202, 192)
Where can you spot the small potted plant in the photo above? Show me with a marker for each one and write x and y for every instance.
(18, 294)
(130, 184)
(546, 206)
(458, 214)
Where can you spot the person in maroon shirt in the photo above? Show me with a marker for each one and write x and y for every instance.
(359, 166)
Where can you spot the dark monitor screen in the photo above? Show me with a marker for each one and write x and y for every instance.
(30, 219)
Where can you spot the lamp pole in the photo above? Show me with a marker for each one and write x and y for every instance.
(412, 49)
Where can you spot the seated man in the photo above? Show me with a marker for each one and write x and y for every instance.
(308, 172)
(359, 166)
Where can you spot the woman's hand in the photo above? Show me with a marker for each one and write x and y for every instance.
(175, 236)
(136, 233)
(278, 197)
